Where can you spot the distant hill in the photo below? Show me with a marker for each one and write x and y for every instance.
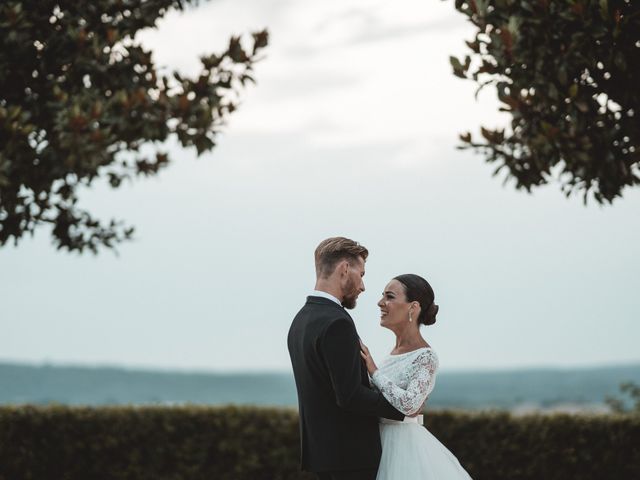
(528, 389)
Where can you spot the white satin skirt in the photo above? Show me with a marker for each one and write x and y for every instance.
(411, 452)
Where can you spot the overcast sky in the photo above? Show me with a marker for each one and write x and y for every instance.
(351, 130)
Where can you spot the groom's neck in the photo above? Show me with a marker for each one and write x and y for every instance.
(329, 287)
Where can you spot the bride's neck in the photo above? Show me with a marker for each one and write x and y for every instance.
(408, 338)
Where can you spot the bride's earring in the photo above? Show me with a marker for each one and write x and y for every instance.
(410, 319)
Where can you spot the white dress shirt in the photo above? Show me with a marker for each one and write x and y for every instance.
(320, 293)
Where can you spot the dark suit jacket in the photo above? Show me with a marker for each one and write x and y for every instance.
(338, 409)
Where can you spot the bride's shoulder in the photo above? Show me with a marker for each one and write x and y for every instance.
(426, 356)
(427, 351)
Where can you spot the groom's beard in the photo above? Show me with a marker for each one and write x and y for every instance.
(349, 299)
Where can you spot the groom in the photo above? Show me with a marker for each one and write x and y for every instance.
(339, 411)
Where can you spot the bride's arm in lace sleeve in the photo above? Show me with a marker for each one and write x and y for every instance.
(411, 399)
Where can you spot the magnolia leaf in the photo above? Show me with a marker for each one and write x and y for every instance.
(82, 114)
(566, 75)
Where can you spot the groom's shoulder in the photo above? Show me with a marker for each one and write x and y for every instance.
(324, 306)
(321, 310)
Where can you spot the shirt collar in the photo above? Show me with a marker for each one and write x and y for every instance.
(320, 293)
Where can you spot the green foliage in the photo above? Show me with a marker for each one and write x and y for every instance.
(550, 447)
(79, 97)
(568, 75)
(619, 405)
(247, 443)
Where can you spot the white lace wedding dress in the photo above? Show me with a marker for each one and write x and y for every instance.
(409, 450)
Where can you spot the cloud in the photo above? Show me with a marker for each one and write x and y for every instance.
(350, 130)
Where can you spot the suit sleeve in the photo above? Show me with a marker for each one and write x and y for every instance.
(340, 348)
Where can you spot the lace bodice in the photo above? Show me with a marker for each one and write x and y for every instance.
(406, 380)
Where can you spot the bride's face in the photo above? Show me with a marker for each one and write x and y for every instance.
(394, 308)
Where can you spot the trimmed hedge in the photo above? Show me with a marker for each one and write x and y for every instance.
(499, 446)
(249, 443)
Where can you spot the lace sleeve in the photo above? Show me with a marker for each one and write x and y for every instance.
(421, 379)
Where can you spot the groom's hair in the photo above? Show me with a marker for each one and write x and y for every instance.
(333, 250)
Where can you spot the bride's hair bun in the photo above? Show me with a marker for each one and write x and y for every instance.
(430, 317)
(417, 289)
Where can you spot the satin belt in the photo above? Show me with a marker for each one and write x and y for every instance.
(407, 420)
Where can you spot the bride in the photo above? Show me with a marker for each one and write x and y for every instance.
(406, 377)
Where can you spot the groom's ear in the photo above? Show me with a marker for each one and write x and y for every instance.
(343, 267)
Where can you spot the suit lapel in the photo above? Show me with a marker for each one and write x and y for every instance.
(363, 366)
(325, 301)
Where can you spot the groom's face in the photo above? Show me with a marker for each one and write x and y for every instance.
(354, 283)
